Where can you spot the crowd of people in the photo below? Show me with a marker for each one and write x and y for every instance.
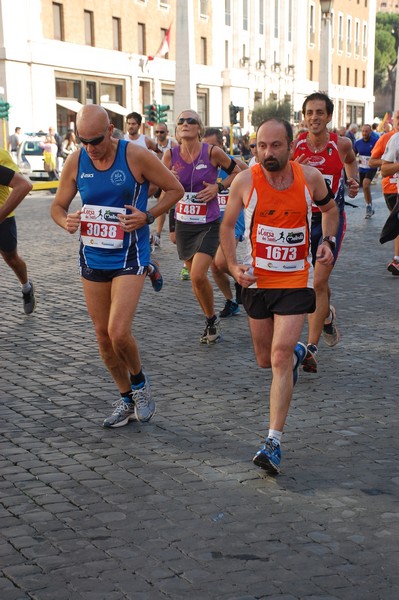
(283, 198)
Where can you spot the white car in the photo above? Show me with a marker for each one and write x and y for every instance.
(30, 158)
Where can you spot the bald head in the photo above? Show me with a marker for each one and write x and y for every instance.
(92, 120)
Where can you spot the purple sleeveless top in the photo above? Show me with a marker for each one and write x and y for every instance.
(192, 176)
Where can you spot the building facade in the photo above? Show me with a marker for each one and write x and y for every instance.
(57, 56)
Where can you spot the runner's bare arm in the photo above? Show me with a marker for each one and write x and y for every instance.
(239, 190)
(66, 192)
(20, 187)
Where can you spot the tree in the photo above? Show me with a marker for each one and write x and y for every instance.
(386, 51)
(269, 110)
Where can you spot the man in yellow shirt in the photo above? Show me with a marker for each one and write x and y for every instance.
(13, 189)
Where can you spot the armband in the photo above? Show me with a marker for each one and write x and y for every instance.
(231, 167)
(327, 198)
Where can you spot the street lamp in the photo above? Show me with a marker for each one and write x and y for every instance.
(325, 75)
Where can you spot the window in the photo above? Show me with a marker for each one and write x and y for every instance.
(349, 35)
(340, 33)
(203, 52)
(339, 75)
(58, 21)
(227, 12)
(357, 37)
(290, 9)
(364, 79)
(116, 34)
(355, 77)
(89, 27)
(276, 17)
(226, 54)
(245, 15)
(261, 17)
(204, 8)
(311, 70)
(311, 24)
(141, 47)
(348, 79)
(364, 50)
(202, 106)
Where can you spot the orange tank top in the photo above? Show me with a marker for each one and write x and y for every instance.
(278, 232)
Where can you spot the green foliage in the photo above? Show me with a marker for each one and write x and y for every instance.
(269, 110)
(386, 48)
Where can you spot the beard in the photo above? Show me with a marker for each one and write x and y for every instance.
(272, 164)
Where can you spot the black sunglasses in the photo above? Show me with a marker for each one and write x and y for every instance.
(93, 142)
(188, 120)
(252, 145)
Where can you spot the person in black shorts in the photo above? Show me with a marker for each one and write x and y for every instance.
(20, 187)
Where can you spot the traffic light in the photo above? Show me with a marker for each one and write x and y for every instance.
(150, 112)
(4, 109)
(233, 113)
(162, 117)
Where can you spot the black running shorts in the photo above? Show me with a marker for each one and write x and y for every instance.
(264, 303)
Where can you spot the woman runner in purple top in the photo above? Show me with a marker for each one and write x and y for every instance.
(197, 214)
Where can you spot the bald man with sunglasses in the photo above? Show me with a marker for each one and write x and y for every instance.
(113, 177)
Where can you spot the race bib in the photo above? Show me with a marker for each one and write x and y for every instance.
(191, 210)
(279, 249)
(100, 227)
(364, 161)
(222, 200)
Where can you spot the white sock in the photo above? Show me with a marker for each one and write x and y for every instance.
(26, 287)
(396, 257)
(275, 435)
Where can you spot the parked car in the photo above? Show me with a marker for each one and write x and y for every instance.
(30, 158)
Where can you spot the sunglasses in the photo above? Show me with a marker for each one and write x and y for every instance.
(252, 145)
(188, 120)
(93, 142)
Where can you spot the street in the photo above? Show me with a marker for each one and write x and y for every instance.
(174, 508)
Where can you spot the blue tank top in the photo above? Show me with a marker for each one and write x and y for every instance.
(114, 187)
(192, 176)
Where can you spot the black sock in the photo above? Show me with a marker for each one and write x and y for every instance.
(137, 379)
(211, 320)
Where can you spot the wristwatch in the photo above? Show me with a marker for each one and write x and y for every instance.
(221, 187)
(150, 217)
(331, 240)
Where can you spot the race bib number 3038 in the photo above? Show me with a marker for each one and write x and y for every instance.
(100, 227)
(279, 249)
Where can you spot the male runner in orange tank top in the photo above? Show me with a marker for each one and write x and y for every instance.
(277, 277)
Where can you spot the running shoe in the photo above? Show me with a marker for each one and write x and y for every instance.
(269, 457)
(123, 413)
(155, 276)
(29, 300)
(238, 292)
(330, 332)
(184, 274)
(145, 406)
(393, 267)
(230, 308)
(156, 240)
(212, 332)
(369, 211)
(300, 352)
(309, 363)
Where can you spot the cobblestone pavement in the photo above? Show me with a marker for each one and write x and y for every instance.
(175, 509)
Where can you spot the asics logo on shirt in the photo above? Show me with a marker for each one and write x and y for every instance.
(83, 175)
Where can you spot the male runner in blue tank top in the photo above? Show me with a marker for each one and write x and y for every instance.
(113, 177)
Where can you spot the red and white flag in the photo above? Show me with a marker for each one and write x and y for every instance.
(164, 47)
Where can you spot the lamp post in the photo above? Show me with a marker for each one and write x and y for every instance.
(325, 68)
